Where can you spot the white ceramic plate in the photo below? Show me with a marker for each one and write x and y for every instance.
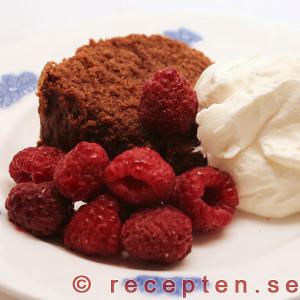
(253, 249)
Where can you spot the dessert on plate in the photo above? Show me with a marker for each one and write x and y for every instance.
(119, 136)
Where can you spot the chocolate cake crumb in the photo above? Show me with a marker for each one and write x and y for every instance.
(94, 96)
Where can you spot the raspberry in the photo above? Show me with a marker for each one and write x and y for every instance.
(79, 176)
(208, 196)
(110, 202)
(140, 176)
(37, 208)
(168, 103)
(35, 164)
(162, 234)
(95, 228)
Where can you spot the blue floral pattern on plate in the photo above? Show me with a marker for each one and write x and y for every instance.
(184, 35)
(13, 87)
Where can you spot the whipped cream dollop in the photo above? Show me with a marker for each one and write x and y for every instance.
(249, 126)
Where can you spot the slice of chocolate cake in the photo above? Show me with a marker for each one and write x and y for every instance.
(94, 96)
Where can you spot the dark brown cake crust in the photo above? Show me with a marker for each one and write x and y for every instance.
(94, 95)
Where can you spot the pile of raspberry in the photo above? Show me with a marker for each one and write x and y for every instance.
(133, 203)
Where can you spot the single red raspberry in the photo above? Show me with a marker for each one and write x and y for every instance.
(140, 176)
(168, 103)
(110, 202)
(95, 228)
(162, 234)
(79, 176)
(35, 164)
(208, 196)
(37, 208)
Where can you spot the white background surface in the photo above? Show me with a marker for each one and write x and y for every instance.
(21, 19)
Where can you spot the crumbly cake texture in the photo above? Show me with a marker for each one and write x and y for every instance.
(94, 96)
